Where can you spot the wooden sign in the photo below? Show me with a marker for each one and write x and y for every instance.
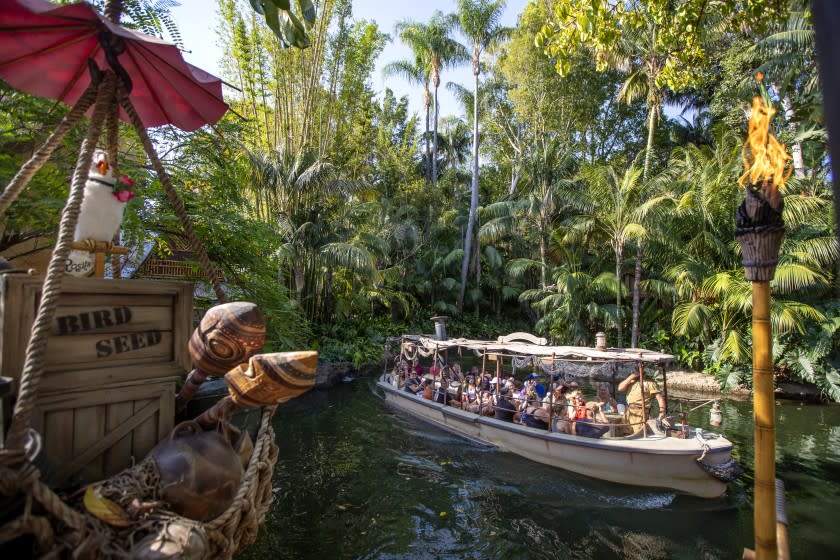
(103, 331)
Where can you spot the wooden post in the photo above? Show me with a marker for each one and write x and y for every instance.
(664, 387)
(764, 415)
(642, 389)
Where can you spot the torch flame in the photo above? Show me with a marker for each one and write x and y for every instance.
(764, 157)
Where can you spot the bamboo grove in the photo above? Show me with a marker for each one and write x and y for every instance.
(586, 180)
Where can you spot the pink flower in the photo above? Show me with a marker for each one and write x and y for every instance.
(123, 196)
(126, 180)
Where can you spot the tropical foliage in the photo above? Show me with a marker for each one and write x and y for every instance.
(590, 131)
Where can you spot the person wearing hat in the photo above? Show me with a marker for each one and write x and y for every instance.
(637, 410)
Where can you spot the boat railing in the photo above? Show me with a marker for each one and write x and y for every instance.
(630, 430)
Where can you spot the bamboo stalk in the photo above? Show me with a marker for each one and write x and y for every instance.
(764, 411)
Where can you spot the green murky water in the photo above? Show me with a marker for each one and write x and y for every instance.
(356, 480)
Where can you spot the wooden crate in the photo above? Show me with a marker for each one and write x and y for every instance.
(103, 332)
(92, 434)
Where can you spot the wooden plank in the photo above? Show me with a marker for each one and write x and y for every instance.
(106, 300)
(166, 418)
(182, 328)
(88, 428)
(103, 395)
(96, 450)
(118, 456)
(108, 349)
(111, 318)
(143, 370)
(57, 431)
(146, 434)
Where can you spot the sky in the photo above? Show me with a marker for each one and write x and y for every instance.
(197, 21)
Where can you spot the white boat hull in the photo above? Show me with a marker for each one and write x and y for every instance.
(657, 461)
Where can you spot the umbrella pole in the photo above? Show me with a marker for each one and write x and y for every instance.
(172, 194)
(40, 157)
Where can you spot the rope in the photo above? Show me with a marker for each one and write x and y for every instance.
(33, 368)
(113, 148)
(40, 157)
(172, 194)
(113, 9)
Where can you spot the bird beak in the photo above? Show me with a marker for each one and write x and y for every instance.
(102, 166)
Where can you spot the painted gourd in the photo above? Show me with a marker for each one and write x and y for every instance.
(200, 472)
(269, 379)
(227, 336)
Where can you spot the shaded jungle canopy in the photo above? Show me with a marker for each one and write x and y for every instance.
(587, 181)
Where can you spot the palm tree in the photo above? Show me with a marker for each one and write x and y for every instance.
(480, 21)
(611, 212)
(547, 169)
(416, 72)
(434, 44)
(639, 54)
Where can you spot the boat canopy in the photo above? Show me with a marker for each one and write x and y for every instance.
(529, 345)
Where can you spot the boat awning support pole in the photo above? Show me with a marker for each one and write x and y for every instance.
(664, 386)
(641, 367)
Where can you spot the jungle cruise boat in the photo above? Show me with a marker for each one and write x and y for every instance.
(666, 454)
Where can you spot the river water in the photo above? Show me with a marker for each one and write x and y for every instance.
(357, 480)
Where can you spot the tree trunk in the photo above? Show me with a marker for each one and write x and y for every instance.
(428, 164)
(637, 278)
(435, 142)
(619, 334)
(473, 194)
(543, 257)
(796, 147)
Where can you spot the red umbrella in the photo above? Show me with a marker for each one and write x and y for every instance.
(44, 50)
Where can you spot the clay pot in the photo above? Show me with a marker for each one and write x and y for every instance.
(227, 336)
(200, 472)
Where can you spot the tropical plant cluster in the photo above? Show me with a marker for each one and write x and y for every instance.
(586, 181)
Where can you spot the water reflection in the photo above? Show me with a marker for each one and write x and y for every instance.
(356, 480)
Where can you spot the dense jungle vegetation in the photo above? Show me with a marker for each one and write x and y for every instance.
(560, 197)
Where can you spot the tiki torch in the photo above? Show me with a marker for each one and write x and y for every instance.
(759, 229)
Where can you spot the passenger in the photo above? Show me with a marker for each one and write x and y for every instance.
(634, 416)
(412, 384)
(418, 369)
(555, 402)
(533, 414)
(427, 389)
(470, 397)
(441, 394)
(485, 382)
(504, 409)
(457, 374)
(606, 404)
(434, 370)
(487, 404)
(587, 426)
(579, 404)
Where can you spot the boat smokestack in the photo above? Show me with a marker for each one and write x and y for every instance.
(601, 341)
(440, 327)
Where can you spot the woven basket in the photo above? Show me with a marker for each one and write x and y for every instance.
(60, 530)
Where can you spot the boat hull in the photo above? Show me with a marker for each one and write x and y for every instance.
(655, 461)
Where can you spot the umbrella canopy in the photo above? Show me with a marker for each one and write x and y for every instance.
(44, 50)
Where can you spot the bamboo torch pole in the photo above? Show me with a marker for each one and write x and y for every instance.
(759, 230)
